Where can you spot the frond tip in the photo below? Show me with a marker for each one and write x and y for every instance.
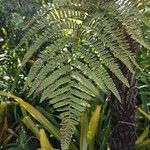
(67, 131)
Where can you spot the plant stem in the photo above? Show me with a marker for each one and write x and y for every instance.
(143, 113)
(143, 145)
(37, 115)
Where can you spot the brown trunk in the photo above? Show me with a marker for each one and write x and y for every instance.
(123, 114)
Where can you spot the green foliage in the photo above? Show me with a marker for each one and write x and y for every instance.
(143, 57)
(69, 45)
(80, 44)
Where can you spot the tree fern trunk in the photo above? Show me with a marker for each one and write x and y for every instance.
(123, 115)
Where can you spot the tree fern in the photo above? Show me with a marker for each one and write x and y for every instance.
(80, 45)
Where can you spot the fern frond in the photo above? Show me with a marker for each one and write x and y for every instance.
(101, 73)
(83, 88)
(48, 56)
(85, 82)
(112, 41)
(65, 130)
(44, 37)
(130, 17)
(53, 77)
(49, 15)
(89, 72)
(33, 72)
(80, 45)
(53, 87)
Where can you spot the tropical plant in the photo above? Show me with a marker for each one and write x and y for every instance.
(81, 50)
(81, 44)
(143, 79)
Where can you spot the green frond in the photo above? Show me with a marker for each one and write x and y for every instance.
(53, 60)
(101, 73)
(80, 45)
(109, 82)
(130, 17)
(58, 98)
(43, 38)
(88, 72)
(53, 77)
(81, 95)
(85, 82)
(83, 88)
(60, 91)
(51, 90)
(110, 40)
(33, 72)
(67, 131)
(48, 16)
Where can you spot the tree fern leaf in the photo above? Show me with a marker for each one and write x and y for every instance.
(80, 102)
(33, 72)
(58, 98)
(87, 71)
(73, 109)
(77, 109)
(55, 75)
(74, 118)
(40, 40)
(54, 17)
(60, 91)
(85, 82)
(129, 16)
(44, 37)
(50, 79)
(80, 44)
(102, 73)
(50, 66)
(113, 66)
(66, 114)
(99, 45)
(38, 66)
(81, 94)
(109, 83)
(83, 88)
(61, 104)
(66, 131)
(54, 87)
(115, 34)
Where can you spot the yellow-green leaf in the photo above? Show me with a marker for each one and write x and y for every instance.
(45, 144)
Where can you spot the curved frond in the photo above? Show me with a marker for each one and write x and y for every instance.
(80, 45)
